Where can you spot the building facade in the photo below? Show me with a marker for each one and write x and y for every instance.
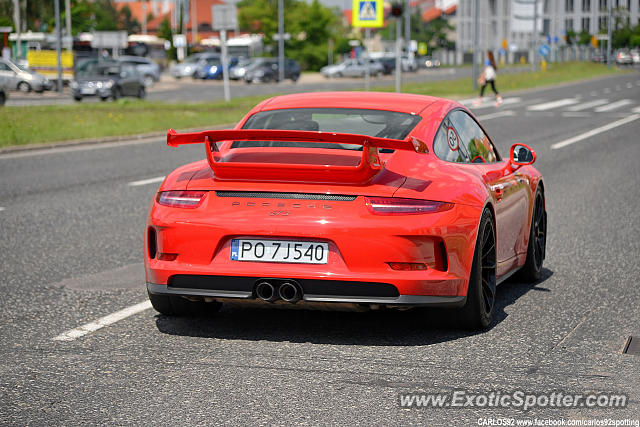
(498, 25)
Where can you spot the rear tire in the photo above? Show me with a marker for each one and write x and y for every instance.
(477, 313)
(536, 248)
(174, 305)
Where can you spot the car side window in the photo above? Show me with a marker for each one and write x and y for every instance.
(447, 144)
(472, 137)
(4, 67)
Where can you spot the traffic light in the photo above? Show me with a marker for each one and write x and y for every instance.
(396, 9)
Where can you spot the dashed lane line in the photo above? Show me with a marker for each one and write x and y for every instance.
(595, 131)
(505, 113)
(146, 181)
(586, 105)
(553, 104)
(100, 323)
(614, 105)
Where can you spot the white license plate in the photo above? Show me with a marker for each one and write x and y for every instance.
(88, 91)
(279, 251)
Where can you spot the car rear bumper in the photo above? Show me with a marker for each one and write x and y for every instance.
(245, 291)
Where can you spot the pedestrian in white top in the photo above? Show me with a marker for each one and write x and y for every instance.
(488, 77)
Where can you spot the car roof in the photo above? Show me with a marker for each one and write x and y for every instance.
(389, 101)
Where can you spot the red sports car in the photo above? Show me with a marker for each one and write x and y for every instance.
(362, 199)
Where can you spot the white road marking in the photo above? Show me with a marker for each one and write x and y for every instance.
(146, 181)
(576, 114)
(629, 85)
(636, 110)
(614, 105)
(553, 104)
(606, 90)
(593, 93)
(83, 330)
(595, 131)
(488, 102)
(586, 105)
(1, 208)
(505, 113)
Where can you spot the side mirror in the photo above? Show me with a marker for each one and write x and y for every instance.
(522, 155)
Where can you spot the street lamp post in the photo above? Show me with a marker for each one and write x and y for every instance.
(609, 32)
(281, 40)
(474, 74)
(58, 43)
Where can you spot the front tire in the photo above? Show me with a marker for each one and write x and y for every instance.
(116, 93)
(24, 87)
(142, 93)
(477, 313)
(536, 248)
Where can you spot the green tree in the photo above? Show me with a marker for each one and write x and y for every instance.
(165, 32)
(310, 26)
(584, 38)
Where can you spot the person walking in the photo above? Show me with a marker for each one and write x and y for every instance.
(488, 77)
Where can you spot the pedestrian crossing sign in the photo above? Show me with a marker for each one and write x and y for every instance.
(367, 13)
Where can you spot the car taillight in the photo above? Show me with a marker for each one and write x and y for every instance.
(181, 199)
(398, 206)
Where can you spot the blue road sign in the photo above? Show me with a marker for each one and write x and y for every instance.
(544, 50)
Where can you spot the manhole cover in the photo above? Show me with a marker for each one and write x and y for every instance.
(632, 346)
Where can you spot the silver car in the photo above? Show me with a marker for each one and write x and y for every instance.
(149, 70)
(352, 68)
(17, 77)
(188, 67)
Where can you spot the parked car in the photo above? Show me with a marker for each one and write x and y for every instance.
(266, 70)
(191, 63)
(211, 68)
(237, 71)
(600, 57)
(22, 79)
(635, 55)
(352, 68)
(623, 57)
(106, 80)
(429, 62)
(148, 69)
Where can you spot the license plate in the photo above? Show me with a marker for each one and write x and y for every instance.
(279, 251)
(88, 91)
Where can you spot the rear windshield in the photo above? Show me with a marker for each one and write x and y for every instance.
(381, 124)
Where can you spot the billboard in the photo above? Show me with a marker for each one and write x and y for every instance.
(522, 14)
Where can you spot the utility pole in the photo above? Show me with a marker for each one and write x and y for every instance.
(144, 17)
(194, 23)
(281, 40)
(398, 54)
(367, 71)
(16, 19)
(474, 74)
(609, 33)
(67, 18)
(534, 35)
(58, 43)
(407, 26)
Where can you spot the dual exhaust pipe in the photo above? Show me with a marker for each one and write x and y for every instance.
(288, 291)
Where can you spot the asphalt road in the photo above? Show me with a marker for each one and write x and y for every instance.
(71, 229)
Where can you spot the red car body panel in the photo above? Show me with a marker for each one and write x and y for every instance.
(361, 244)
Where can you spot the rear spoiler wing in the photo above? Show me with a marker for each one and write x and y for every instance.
(369, 164)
